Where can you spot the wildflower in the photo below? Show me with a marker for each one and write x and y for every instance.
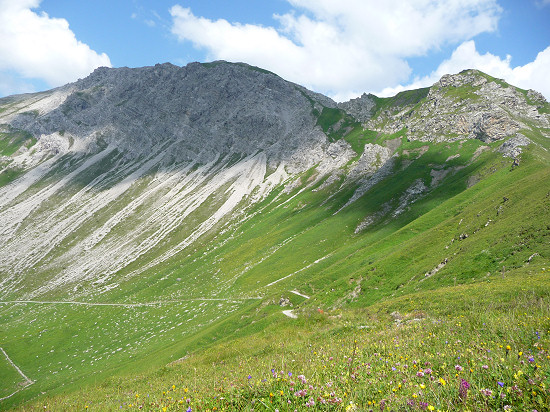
(501, 384)
(350, 407)
(189, 410)
(485, 367)
(463, 389)
(431, 408)
(458, 368)
(519, 354)
(486, 392)
(422, 386)
(420, 374)
(442, 382)
(310, 403)
(531, 359)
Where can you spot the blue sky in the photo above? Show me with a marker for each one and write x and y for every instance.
(338, 47)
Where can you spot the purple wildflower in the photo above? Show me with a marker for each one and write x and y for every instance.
(463, 389)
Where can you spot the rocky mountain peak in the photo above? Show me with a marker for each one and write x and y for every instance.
(206, 110)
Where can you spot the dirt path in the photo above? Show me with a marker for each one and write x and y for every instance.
(27, 382)
(128, 305)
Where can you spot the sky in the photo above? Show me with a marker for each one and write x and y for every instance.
(341, 48)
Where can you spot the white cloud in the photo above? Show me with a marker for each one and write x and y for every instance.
(38, 46)
(533, 75)
(341, 47)
(10, 84)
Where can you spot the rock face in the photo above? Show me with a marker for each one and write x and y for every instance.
(362, 108)
(204, 110)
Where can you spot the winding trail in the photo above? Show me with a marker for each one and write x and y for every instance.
(28, 382)
(300, 270)
(128, 305)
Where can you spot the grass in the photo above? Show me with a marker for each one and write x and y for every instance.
(400, 100)
(336, 123)
(12, 139)
(409, 353)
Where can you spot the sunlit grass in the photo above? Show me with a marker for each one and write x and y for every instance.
(482, 346)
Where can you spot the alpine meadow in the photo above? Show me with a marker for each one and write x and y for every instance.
(215, 238)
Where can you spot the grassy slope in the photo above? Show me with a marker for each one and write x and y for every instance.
(386, 261)
(364, 357)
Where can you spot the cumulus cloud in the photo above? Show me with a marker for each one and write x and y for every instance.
(533, 75)
(341, 47)
(34, 45)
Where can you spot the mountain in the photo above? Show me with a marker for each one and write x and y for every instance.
(146, 213)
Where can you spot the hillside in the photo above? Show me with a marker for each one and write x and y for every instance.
(163, 213)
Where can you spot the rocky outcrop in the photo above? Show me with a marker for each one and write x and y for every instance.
(513, 146)
(362, 108)
(467, 105)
